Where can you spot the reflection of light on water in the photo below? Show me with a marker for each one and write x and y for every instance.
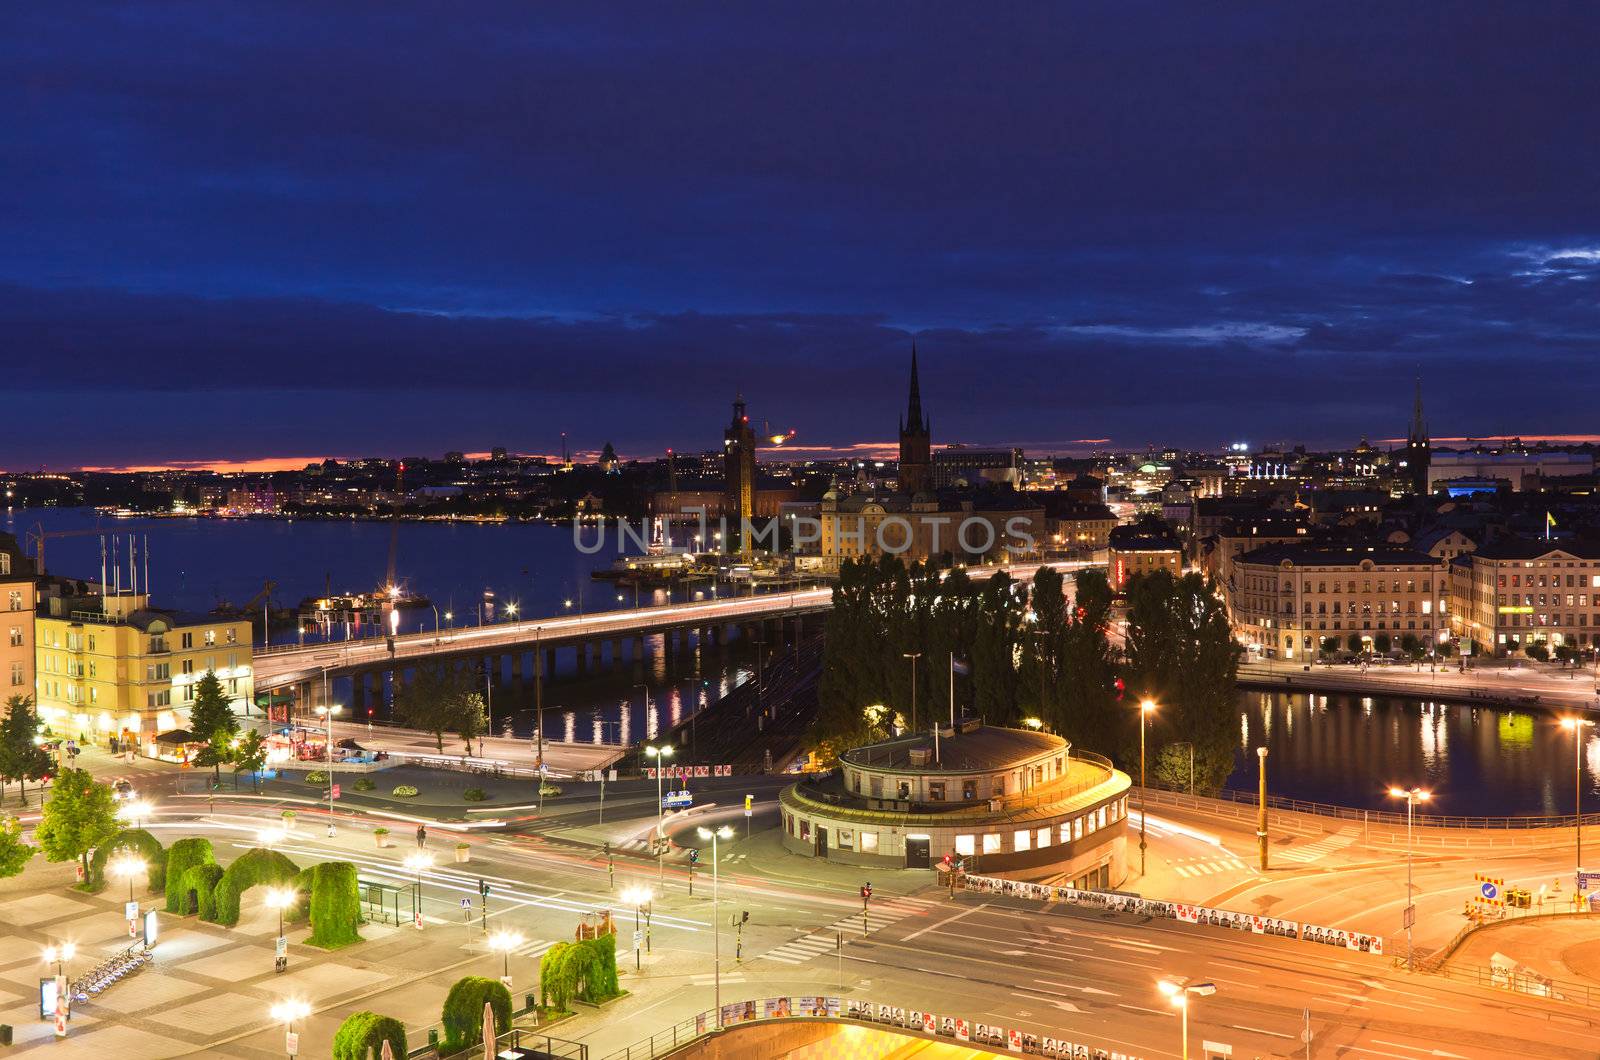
(1435, 736)
(675, 705)
(1516, 730)
(1324, 704)
(569, 727)
(652, 720)
(625, 727)
(1591, 756)
(1244, 731)
(1366, 705)
(1266, 722)
(598, 735)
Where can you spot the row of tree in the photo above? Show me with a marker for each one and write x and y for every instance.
(1004, 651)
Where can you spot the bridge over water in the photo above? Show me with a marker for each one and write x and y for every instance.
(680, 627)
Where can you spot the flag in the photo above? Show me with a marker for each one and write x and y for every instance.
(960, 666)
(1549, 520)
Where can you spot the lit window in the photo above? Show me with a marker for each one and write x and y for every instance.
(1043, 837)
(965, 845)
(1021, 839)
(869, 842)
(991, 843)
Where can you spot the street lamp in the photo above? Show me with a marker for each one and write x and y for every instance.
(725, 832)
(1412, 797)
(127, 866)
(1576, 727)
(1147, 707)
(511, 610)
(913, 656)
(504, 942)
(286, 1012)
(1178, 994)
(658, 754)
(328, 713)
(271, 837)
(637, 897)
(135, 811)
(419, 861)
(60, 955)
(280, 898)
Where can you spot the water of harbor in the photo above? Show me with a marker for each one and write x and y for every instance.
(1477, 761)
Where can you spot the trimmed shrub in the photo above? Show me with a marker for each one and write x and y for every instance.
(463, 1012)
(316, 776)
(362, 1034)
(364, 784)
(197, 891)
(549, 791)
(585, 970)
(474, 795)
(134, 840)
(335, 905)
(404, 791)
(184, 855)
(249, 869)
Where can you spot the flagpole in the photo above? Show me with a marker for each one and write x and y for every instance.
(952, 690)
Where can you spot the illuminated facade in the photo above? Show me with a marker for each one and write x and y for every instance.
(115, 666)
(1283, 600)
(1511, 593)
(18, 598)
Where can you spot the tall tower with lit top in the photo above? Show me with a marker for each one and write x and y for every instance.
(1417, 449)
(916, 439)
(739, 474)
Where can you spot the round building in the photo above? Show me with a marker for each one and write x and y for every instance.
(1016, 801)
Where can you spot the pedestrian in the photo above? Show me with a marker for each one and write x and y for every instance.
(422, 836)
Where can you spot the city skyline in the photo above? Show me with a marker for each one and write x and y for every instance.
(265, 233)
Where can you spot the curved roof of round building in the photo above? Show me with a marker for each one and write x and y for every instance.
(981, 748)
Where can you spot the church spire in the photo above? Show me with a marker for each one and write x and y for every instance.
(1419, 429)
(913, 421)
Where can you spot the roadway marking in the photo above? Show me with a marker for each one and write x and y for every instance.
(942, 923)
(1151, 1011)
(1419, 1048)
(1260, 1030)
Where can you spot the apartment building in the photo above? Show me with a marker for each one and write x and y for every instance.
(18, 600)
(1515, 591)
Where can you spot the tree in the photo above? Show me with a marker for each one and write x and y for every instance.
(1330, 647)
(1354, 643)
(14, 853)
(472, 718)
(21, 757)
(1537, 651)
(432, 700)
(1411, 647)
(362, 1034)
(335, 905)
(1181, 653)
(1567, 653)
(1381, 644)
(1081, 704)
(463, 1011)
(212, 717)
(250, 757)
(79, 816)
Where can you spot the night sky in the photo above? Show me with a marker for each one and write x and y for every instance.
(235, 231)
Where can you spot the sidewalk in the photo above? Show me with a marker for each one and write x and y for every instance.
(1528, 686)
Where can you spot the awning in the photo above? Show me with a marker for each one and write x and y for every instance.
(177, 736)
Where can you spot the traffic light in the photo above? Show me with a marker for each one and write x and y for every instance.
(945, 861)
(745, 919)
(694, 855)
(866, 891)
(1121, 687)
(483, 888)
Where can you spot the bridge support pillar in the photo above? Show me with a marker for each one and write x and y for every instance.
(583, 656)
(516, 667)
(616, 653)
(549, 663)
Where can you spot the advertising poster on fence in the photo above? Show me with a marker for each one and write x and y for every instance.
(775, 1008)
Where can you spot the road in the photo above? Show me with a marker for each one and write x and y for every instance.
(1512, 683)
(275, 668)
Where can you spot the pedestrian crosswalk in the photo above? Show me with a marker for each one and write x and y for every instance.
(1189, 868)
(1310, 852)
(708, 978)
(530, 948)
(880, 914)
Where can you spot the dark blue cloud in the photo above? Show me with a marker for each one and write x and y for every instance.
(1157, 222)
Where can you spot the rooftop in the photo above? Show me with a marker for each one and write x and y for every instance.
(1335, 555)
(1525, 548)
(981, 748)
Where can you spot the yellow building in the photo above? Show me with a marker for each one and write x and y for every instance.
(115, 666)
(17, 597)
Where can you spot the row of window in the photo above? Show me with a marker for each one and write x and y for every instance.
(1554, 599)
(79, 641)
(1022, 839)
(1366, 607)
(1578, 581)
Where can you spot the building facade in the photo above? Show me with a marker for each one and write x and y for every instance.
(18, 601)
(1283, 600)
(1002, 800)
(1142, 548)
(1513, 592)
(115, 666)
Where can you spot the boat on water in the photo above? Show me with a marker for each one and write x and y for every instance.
(378, 600)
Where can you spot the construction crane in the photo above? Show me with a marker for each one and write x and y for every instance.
(39, 535)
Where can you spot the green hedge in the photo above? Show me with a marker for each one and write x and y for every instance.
(475, 795)
(463, 1012)
(335, 905)
(251, 868)
(362, 1034)
(585, 970)
(197, 890)
(182, 856)
(138, 841)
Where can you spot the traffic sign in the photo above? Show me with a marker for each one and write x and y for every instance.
(466, 903)
(281, 947)
(638, 939)
(1489, 891)
(1408, 916)
(335, 791)
(130, 910)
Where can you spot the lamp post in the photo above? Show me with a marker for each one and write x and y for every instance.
(327, 713)
(1412, 797)
(135, 812)
(286, 1012)
(725, 832)
(1178, 993)
(419, 861)
(1261, 812)
(1576, 727)
(637, 897)
(127, 866)
(659, 754)
(504, 942)
(1147, 707)
(280, 898)
(913, 656)
(59, 956)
